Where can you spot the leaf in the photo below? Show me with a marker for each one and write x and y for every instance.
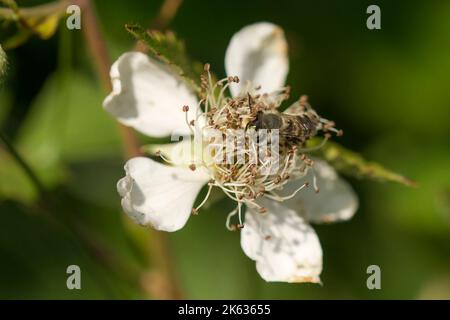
(62, 119)
(353, 164)
(167, 48)
(45, 27)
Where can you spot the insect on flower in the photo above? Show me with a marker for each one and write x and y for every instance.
(240, 143)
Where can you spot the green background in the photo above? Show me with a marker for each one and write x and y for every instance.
(387, 89)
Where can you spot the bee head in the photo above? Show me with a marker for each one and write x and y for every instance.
(265, 121)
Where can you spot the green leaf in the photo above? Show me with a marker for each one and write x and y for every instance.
(62, 119)
(167, 48)
(353, 164)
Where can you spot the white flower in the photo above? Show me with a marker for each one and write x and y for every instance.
(149, 97)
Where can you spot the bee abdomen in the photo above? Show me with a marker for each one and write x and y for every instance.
(298, 127)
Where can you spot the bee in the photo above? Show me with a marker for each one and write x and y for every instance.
(297, 124)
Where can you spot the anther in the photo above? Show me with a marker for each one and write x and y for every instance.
(185, 108)
(206, 67)
(192, 167)
(303, 100)
(262, 210)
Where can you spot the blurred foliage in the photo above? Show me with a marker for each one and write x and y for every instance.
(167, 48)
(387, 89)
(40, 20)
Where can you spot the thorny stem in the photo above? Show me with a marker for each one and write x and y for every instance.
(167, 12)
(102, 62)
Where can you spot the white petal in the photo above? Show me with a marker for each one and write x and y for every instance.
(284, 247)
(149, 97)
(179, 153)
(258, 53)
(157, 195)
(335, 201)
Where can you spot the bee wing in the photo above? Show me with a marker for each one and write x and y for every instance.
(295, 109)
(299, 107)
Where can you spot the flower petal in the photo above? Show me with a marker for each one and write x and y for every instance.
(284, 247)
(258, 53)
(149, 97)
(335, 201)
(158, 195)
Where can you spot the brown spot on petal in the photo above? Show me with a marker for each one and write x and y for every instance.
(300, 279)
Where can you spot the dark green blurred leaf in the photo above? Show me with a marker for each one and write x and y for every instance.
(19, 38)
(169, 49)
(37, 269)
(424, 210)
(353, 164)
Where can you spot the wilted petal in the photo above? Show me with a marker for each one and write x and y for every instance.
(284, 247)
(157, 195)
(148, 96)
(258, 53)
(335, 201)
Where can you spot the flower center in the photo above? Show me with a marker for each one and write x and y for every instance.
(249, 148)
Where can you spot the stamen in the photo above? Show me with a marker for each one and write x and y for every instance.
(241, 225)
(319, 146)
(227, 222)
(185, 110)
(205, 199)
(316, 187)
(159, 154)
(281, 199)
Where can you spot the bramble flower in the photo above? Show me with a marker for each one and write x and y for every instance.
(225, 146)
